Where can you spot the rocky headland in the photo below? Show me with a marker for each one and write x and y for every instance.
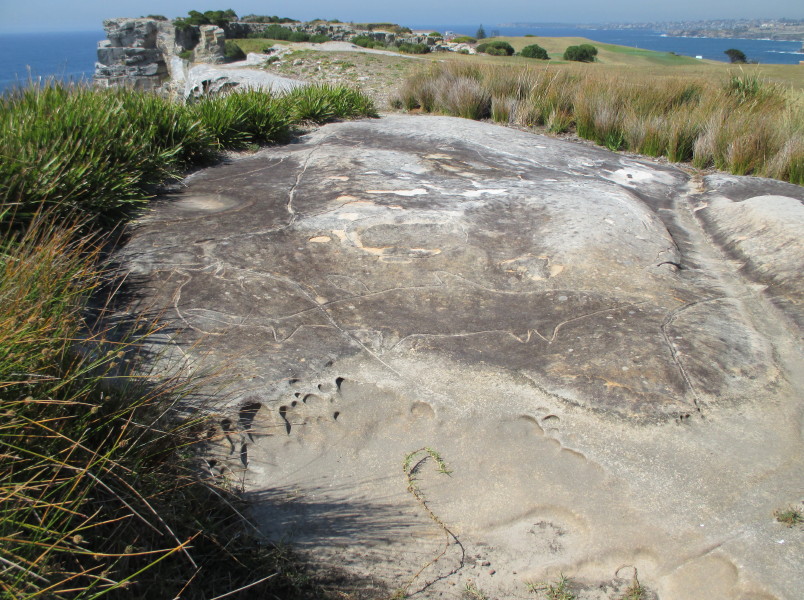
(155, 55)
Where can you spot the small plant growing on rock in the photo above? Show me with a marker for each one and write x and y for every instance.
(553, 591)
(790, 517)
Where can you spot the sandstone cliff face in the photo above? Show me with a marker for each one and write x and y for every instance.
(210, 48)
(131, 54)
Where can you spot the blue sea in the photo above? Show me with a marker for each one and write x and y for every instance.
(71, 56)
(762, 51)
(67, 56)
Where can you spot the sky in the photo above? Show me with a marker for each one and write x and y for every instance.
(88, 15)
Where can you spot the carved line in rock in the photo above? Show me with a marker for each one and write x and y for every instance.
(442, 284)
(299, 178)
(526, 339)
(674, 353)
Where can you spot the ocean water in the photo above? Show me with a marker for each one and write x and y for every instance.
(67, 56)
(71, 56)
(762, 51)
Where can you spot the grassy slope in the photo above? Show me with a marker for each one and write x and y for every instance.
(616, 59)
(611, 59)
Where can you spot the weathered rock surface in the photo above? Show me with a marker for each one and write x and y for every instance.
(570, 328)
(131, 55)
(203, 79)
(211, 45)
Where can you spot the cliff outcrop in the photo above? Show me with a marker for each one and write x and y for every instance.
(131, 55)
(155, 55)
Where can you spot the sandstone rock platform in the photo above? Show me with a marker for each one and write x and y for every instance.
(605, 351)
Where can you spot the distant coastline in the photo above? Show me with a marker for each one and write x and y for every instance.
(786, 30)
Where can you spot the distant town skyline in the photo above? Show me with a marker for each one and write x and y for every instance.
(87, 15)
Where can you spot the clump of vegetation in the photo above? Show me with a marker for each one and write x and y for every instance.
(744, 126)
(157, 17)
(535, 51)
(266, 19)
(221, 18)
(496, 48)
(321, 103)
(414, 48)
(365, 41)
(232, 52)
(582, 53)
(472, 592)
(186, 54)
(101, 490)
(464, 39)
(560, 590)
(790, 517)
(736, 56)
(299, 36)
(319, 38)
(275, 32)
(390, 27)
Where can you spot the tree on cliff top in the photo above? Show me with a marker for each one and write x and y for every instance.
(481, 33)
(736, 56)
(221, 18)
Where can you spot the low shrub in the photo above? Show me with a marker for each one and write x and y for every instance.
(365, 41)
(496, 48)
(275, 32)
(582, 53)
(299, 36)
(535, 51)
(232, 52)
(319, 38)
(464, 39)
(414, 48)
(266, 19)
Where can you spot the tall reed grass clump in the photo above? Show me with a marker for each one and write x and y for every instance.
(101, 493)
(101, 489)
(743, 125)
